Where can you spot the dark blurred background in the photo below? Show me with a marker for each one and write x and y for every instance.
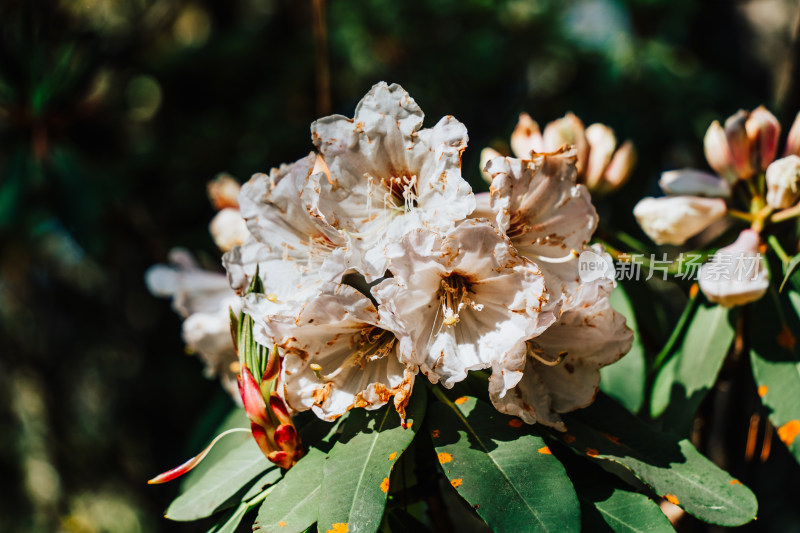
(115, 113)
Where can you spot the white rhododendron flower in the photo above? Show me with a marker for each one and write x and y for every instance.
(387, 176)
(562, 371)
(550, 219)
(783, 182)
(293, 247)
(339, 354)
(674, 219)
(547, 216)
(465, 300)
(736, 274)
(203, 298)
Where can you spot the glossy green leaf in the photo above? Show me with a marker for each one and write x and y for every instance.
(607, 505)
(355, 478)
(293, 504)
(231, 520)
(670, 466)
(625, 380)
(502, 468)
(789, 269)
(229, 476)
(691, 373)
(775, 356)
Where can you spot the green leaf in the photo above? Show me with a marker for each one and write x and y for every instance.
(671, 467)
(625, 380)
(504, 470)
(790, 269)
(607, 505)
(293, 504)
(775, 357)
(686, 378)
(355, 478)
(223, 484)
(231, 520)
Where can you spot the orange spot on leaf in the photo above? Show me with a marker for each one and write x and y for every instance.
(385, 484)
(789, 431)
(569, 439)
(671, 498)
(338, 528)
(515, 423)
(591, 452)
(435, 433)
(282, 523)
(735, 482)
(392, 456)
(693, 290)
(456, 482)
(612, 438)
(461, 400)
(786, 339)
(445, 457)
(762, 390)
(545, 450)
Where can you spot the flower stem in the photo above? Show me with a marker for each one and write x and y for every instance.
(779, 251)
(741, 215)
(688, 311)
(786, 214)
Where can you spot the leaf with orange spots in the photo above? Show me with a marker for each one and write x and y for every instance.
(671, 498)
(663, 462)
(545, 450)
(339, 528)
(461, 400)
(490, 463)
(292, 504)
(357, 465)
(776, 369)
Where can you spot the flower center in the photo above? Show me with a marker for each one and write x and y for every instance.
(454, 296)
(369, 344)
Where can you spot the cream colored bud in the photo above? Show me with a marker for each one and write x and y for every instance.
(487, 154)
(717, 152)
(674, 219)
(620, 168)
(783, 182)
(736, 274)
(763, 131)
(739, 144)
(223, 192)
(602, 144)
(692, 182)
(793, 140)
(565, 131)
(526, 138)
(228, 229)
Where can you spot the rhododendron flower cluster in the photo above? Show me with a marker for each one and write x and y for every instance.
(378, 270)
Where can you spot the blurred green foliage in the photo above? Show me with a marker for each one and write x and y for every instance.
(114, 114)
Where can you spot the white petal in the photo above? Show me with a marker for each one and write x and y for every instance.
(540, 207)
(674, 219)
(328, 334)
(736, 274)
(783, 182)
(692, 182)
(501, 294)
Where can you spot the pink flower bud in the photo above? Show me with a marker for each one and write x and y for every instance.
(602, 144)
(793, 140)
(763, 131)
(693, 183)
(736, 275)
(252, 399)
(526, 138)
(620, 167)
(279, 408)
(283, 459)
(717, 152)
(567, 131)
(739, 144)
(223, 192)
